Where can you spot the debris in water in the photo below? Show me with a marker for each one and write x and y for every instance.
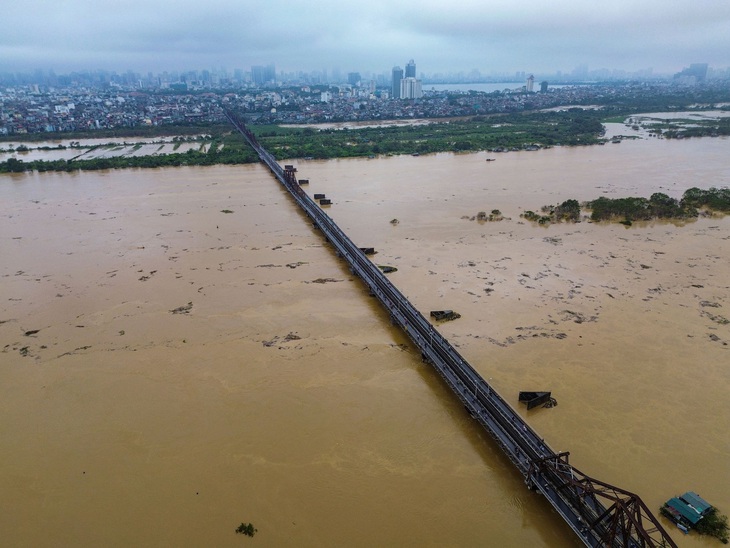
(182, 309)
(533, 399)
(445, 315)
(324, 280)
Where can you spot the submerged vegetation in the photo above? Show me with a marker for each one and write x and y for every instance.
(658, 206)
(221, 149)
(682, 128)
(482, 216)
(246, 529)
(219, 144)
(715, 525)
(497, 133)
(628, 210)
(716, 199)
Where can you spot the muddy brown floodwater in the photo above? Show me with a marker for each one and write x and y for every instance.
(169, 370)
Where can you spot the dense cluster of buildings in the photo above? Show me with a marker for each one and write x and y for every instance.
(30, 110)
(34, 108)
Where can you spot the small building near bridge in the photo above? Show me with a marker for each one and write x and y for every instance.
(687, 509)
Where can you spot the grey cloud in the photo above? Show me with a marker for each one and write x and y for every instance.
(488, 35)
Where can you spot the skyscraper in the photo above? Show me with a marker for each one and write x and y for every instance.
(411, 69)
(397, 77)
(697, 72)
(410, 88)
(261, 75)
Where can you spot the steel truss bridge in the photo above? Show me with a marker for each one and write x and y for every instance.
(600, 514)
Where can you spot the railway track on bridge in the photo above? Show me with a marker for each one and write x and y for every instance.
(599, 514)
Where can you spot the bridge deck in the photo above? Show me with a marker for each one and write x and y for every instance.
(573, 495)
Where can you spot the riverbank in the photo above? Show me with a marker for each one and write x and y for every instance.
(497, 133)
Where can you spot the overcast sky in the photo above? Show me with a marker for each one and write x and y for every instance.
(541, 36)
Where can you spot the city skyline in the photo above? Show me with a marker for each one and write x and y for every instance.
(267, 76)
(492, 37)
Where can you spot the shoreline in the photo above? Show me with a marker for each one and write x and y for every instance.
(69, 154)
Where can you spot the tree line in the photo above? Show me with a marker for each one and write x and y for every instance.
(633, 208)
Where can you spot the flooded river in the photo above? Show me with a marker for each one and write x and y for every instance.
(182, 352)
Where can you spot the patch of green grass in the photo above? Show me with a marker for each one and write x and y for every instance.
(614, 120)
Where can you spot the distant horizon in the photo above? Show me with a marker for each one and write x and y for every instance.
(422, 68)
(580, 73)
(494, 36)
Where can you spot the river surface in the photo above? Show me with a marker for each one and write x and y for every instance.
(180, 352)
(488, 87)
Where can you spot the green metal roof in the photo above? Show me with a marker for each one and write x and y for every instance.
(687, 513)
(690, 497)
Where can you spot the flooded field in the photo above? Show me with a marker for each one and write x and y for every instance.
(181, 352)
(89, 149)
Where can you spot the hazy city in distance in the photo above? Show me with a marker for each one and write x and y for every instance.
(566, 39)
(268, 75)
(327, 62)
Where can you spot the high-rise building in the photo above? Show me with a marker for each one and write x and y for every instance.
(543, 86)
(411, 69)
(397, 78)
(263, 75)
(697, 72)
(530, 83)
(353, 78)
(580, 72)
(257, 75)
(410, 88)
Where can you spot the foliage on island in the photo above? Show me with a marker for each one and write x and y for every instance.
(715, 525)
(715, 199)
(568, 211)
(482, 216)
(628, 210)
(658, 206)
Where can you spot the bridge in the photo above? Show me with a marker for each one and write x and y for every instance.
(599, 514)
